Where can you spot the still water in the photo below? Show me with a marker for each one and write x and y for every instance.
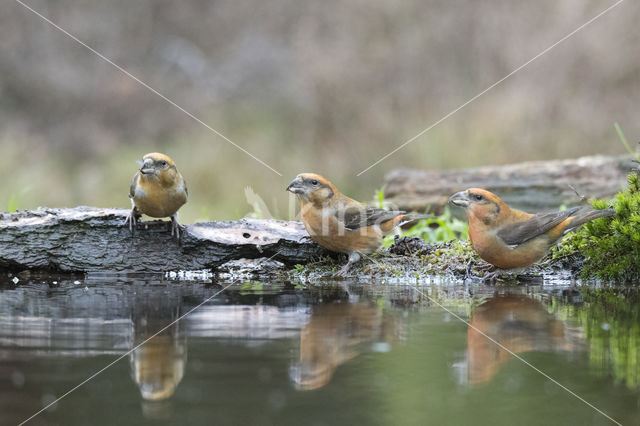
(278, 354)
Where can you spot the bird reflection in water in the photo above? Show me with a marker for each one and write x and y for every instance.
(335, 334)
(520, 324)
(157, 367)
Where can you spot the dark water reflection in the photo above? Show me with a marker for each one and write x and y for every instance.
(158, 365)
(519, 323)
(261, 353)
(337, 333)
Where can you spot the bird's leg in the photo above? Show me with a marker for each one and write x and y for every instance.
(354, 257)
(468, 270)
(132, 218)
(345, 287)
(175, 226)
(485, 267)
(491, 277)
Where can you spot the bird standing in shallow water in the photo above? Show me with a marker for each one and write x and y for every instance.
(157, 190)
(341, 224)
(509, 238)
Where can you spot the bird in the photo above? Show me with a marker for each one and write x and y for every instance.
(157, 190)
(510, 239)
(341, 224)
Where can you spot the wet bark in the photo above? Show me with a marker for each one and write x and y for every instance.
(86, 239)
(531, 186)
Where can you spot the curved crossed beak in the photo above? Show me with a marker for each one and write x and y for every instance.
(296, 186)
(460, 199)
(146, 166)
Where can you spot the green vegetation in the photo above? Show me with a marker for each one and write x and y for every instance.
(611, 246)
(380, 197)
(250, 287)
(14, 202)
(610, 319)
(442, 228)
(624, 141)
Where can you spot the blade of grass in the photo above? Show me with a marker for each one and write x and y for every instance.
(625, 142)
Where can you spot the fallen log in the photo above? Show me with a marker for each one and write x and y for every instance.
(88, 239)
(530, 186)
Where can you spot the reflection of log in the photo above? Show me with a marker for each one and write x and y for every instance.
(87, 239)
(534, 186)
(108, 316)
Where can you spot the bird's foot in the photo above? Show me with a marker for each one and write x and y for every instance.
(492, 277)
(353, 258)
(342, 273)
(175, 227)
(482, 268)
(467, 274)
(132, 219)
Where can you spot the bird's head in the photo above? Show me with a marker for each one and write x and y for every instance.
(311, 375)
(480, 204)
(158, 166)
(310, 187)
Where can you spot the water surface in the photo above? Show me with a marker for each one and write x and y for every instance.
(351, 353)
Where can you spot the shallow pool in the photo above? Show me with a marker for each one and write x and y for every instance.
(260, 353)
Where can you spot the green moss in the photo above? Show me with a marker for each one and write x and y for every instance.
(443, 258)
(611, 246)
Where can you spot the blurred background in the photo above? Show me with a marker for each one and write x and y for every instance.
(304, 85)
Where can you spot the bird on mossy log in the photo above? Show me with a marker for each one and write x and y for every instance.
(157, 190)
(341, 224)
(509, 238)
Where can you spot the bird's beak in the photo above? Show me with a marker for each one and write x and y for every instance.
(146, 166)
(460, 199)
(296, 186)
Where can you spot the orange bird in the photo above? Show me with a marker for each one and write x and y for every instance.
(509, 238)
(157, 190)
(341, 224)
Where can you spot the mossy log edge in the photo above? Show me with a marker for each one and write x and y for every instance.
(88, 239)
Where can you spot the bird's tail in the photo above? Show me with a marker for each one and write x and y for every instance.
(585, 216)
(412, 217)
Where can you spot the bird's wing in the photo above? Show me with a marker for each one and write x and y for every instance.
(132, 187)
(519, 233)
(356, 217)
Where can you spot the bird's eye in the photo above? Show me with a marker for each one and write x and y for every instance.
(163, 163)
(314, 182)
(477, 197)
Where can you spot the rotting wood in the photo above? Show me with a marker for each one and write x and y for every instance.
(88, 239)
(530, 186)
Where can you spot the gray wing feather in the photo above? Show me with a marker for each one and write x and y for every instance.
(520, 233)
(132, 187)
(355, 218)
